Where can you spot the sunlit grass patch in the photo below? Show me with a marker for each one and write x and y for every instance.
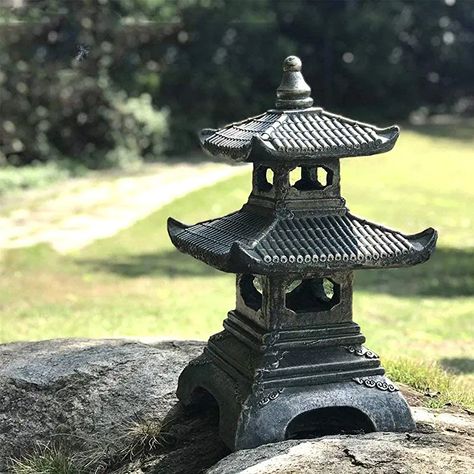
(136, 284)
(437, 387)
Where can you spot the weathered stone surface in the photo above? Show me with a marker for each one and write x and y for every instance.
(83, 393)
(83, 390)
(375, 453)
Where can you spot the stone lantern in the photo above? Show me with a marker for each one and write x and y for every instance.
(290, 361)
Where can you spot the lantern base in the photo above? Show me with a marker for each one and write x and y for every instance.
(260, 410)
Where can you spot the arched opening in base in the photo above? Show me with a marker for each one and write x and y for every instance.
(204, 402)
(328, 421)
(204, 398)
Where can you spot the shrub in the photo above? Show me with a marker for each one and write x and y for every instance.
(67, 87)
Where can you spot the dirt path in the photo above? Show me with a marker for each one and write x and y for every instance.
(71, 214)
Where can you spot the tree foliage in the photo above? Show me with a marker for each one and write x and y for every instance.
(68, 87)
(210, 61)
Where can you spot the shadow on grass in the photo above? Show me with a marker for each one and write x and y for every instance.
(171, 263)
(458, 365)
(449, 273)
(458, 129)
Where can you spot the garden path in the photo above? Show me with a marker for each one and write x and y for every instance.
(71, 214)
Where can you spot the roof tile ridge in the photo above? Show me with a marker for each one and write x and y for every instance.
(426, 232)
(271, 129)
(240, 249)
(240, 122)
(216, 218)
(357, 122)
(363, 221)
(207, 133)
(262, 234)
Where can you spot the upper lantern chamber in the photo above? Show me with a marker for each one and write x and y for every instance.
(296, 219)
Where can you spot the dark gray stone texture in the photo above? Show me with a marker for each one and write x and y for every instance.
(281, 368)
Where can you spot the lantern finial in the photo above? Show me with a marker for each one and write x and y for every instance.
(293, 92)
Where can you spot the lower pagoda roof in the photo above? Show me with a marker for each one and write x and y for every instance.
(249, 242)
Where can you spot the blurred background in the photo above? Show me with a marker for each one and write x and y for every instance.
(100, 103)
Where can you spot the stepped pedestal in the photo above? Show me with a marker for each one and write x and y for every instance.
(284, 385)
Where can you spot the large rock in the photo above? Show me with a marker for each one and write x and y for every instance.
(84, 395)
(373, 453)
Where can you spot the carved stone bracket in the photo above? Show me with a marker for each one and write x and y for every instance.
(269, 366)
(266, 399)
(276, 363)
(269, 340)
(370, 382)
(361, 351)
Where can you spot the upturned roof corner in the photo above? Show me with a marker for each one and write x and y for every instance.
(295, 128)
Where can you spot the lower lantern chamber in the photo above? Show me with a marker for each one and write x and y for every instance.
(290, 364)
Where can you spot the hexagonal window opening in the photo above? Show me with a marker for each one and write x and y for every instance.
(251, 291)
(312, 295)
(324, 176)
(264, 179)
(311, 178)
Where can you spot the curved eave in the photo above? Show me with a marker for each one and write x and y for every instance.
(258, 149)
(241, 258)
(388, 136)
(424, 243)
(235, 153)
(222, 261)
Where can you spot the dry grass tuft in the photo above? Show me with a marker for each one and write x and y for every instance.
(45, 459)
(144, 436)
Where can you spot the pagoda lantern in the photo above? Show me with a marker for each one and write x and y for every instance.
(290, 361)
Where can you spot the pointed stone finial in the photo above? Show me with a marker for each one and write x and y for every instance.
(293, 92)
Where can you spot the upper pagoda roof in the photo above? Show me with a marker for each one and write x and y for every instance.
(312, 133)
(249, 242)
(295, 129)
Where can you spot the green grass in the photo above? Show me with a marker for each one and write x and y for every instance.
(438, 387)
(136, 284)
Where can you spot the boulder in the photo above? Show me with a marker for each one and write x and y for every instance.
(373, 453)
(100, 401)
(87, 395)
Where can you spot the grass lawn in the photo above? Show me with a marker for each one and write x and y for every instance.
(136, 284)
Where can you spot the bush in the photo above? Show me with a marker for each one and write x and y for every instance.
(62, 100)
(69, 69)
(137, 129)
